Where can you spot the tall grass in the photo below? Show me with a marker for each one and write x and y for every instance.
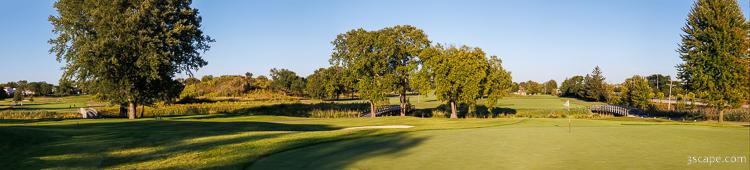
(320, 113)
(37, 114)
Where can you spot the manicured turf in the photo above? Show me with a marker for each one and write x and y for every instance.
(532, 144)
(58, 104)
(225, 142)
(212, 141)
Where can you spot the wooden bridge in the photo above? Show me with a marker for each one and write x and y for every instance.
(610, 109)
(383, 110)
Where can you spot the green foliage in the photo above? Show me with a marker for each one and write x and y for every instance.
(459, 75)
(715, 52)
(128, 51)
(531, 87)
(573, 87)
(328, 83)
(636, 92)
(17, 96)
(287, 81)
(218, 87)
(380, 61)
(3, 94)
(498, 82)
(659, 83)
(550, 87)
(594, 86)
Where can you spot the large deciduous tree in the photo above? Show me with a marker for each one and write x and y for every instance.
(573, 87)
(462, 75)
(381, 61)
(327, 83)
(128, 51)
(715, 53)
(287, 82)
(498, 82)
(550, 87)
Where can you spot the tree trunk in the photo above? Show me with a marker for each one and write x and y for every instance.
(143, 109)
(402, 99)
(721, 115)
(131, 110)
(372, 109)
(453, 110)
(123, 109)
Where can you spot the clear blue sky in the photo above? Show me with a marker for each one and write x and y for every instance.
(537, 39)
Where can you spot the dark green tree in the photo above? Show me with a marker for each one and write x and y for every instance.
(128, 51)
(327, 83)
(573, 87)
(594, 86)
(3, 93)
(455, 75)
(659, 83)
(287, 81)
(715, 53)
(17, 96)
(636, 92)
(550, 87)
(498, 82)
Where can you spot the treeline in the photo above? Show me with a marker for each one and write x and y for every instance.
(20, 89)
(532, 87)
(374, 64)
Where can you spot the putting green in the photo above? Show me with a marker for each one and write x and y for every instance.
(533, 144)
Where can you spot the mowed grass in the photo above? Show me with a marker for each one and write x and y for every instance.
(532, 144)
(275, 142)
(212, 141)
(56, 104)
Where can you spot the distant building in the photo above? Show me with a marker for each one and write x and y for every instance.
(10, 90)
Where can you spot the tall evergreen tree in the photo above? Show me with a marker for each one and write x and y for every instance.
(715, 53)
(594, 86)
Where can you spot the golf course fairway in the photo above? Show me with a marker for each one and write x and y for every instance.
(531, 144)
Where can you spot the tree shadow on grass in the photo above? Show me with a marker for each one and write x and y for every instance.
(111, 145)
(340, 154)
(463, 111)
(292, 109)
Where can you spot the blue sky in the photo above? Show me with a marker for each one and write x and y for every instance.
(536, 39)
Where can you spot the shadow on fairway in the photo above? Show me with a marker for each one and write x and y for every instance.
(481, 111)
(91, 145)
(341, 154)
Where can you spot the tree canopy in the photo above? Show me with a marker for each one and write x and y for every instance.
(462, 75)
(636, 92)
(128, 51)
(287, 81)
(382, 60)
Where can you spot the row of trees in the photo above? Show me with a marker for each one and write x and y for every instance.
(590, 87)
(42, 88)
(400, 59)
(532, 87)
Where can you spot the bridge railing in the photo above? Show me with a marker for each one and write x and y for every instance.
(385, 109)
(610, 109)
